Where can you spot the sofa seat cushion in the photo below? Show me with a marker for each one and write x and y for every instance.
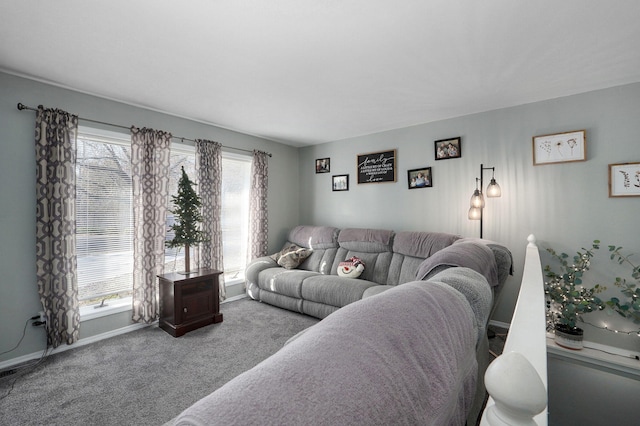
(280, 300)
(287, 282)
(334, 290)
(376, 289)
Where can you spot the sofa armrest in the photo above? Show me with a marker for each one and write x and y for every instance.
(253, 270)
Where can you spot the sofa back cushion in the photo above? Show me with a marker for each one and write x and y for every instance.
(410, 249)
(372, 246)
(322, 240)
(422, 244)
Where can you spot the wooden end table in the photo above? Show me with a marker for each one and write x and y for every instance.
(188, 302)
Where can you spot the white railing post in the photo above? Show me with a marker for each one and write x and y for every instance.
(517, 380)
(517, 390)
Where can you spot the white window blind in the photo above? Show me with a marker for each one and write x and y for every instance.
(236, 172)
(104, 234)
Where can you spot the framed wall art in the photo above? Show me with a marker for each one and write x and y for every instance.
(448, 148)
(377, 167)
(323, 165)
(624, 180)
(420, 178)
(340, 182)
(559, 148)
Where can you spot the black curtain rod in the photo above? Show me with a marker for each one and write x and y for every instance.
(22, 106)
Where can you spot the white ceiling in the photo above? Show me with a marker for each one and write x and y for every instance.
(310, 71)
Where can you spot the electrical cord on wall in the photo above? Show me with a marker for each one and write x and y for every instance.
(24, 332)
(24, 370)
(21, 370)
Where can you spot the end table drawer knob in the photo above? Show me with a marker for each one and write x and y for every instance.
(184, 310)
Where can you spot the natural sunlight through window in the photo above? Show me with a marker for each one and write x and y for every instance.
(104, 235)
(104, 220)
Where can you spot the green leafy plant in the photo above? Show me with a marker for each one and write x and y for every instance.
(187, 210)
(567, 297)
(629, 308)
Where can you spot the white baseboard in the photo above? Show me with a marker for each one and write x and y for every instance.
(500, 324)
(65, 347)
(234, 298)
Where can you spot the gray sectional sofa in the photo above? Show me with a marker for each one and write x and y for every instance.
(413, 353)
(391, 258)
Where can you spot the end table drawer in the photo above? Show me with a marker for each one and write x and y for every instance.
(197, 288)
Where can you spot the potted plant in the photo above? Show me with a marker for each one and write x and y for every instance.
(188, 218)
(630, 307)
(568, 298)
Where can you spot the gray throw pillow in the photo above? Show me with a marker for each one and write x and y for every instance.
(291, 256)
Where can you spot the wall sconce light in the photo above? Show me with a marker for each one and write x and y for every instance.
(477, 199)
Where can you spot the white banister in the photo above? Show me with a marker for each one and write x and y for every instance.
(517, 380)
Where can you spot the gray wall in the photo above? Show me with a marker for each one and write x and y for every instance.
(566, 205)
(18, 291)
(586, 394)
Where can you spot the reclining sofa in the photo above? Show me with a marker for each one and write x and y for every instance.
(415, 353)
(313, 286)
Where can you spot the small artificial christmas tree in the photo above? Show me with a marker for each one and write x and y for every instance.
(187, 210)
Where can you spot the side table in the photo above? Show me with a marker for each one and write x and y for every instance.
(189, 301)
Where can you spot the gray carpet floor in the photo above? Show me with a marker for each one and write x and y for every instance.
(147, 377)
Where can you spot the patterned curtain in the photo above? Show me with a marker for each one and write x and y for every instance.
(209, 171)
(56, 261)
(150, 151)
(258, 218)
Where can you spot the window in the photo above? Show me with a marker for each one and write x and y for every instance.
(104, 217)
(104, 235)
(236, 184)
(236, 170)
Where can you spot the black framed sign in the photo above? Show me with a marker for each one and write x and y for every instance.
(377, 167)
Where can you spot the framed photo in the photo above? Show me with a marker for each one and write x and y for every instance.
(377, 167)
(323, 165)
(624, 180)
(340, 182)
(448, 148)
(559, 148)
(420, 178)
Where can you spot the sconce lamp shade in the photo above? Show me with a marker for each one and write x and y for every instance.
(477, 200)
(493, 190)
(475, 213)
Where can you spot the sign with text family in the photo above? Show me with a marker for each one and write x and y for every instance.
(377, 167)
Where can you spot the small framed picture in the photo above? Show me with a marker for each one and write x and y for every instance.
(559, 148)
(448, 148)
(420, 178)
(624, 180)
(340, 182)
(323, 165)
